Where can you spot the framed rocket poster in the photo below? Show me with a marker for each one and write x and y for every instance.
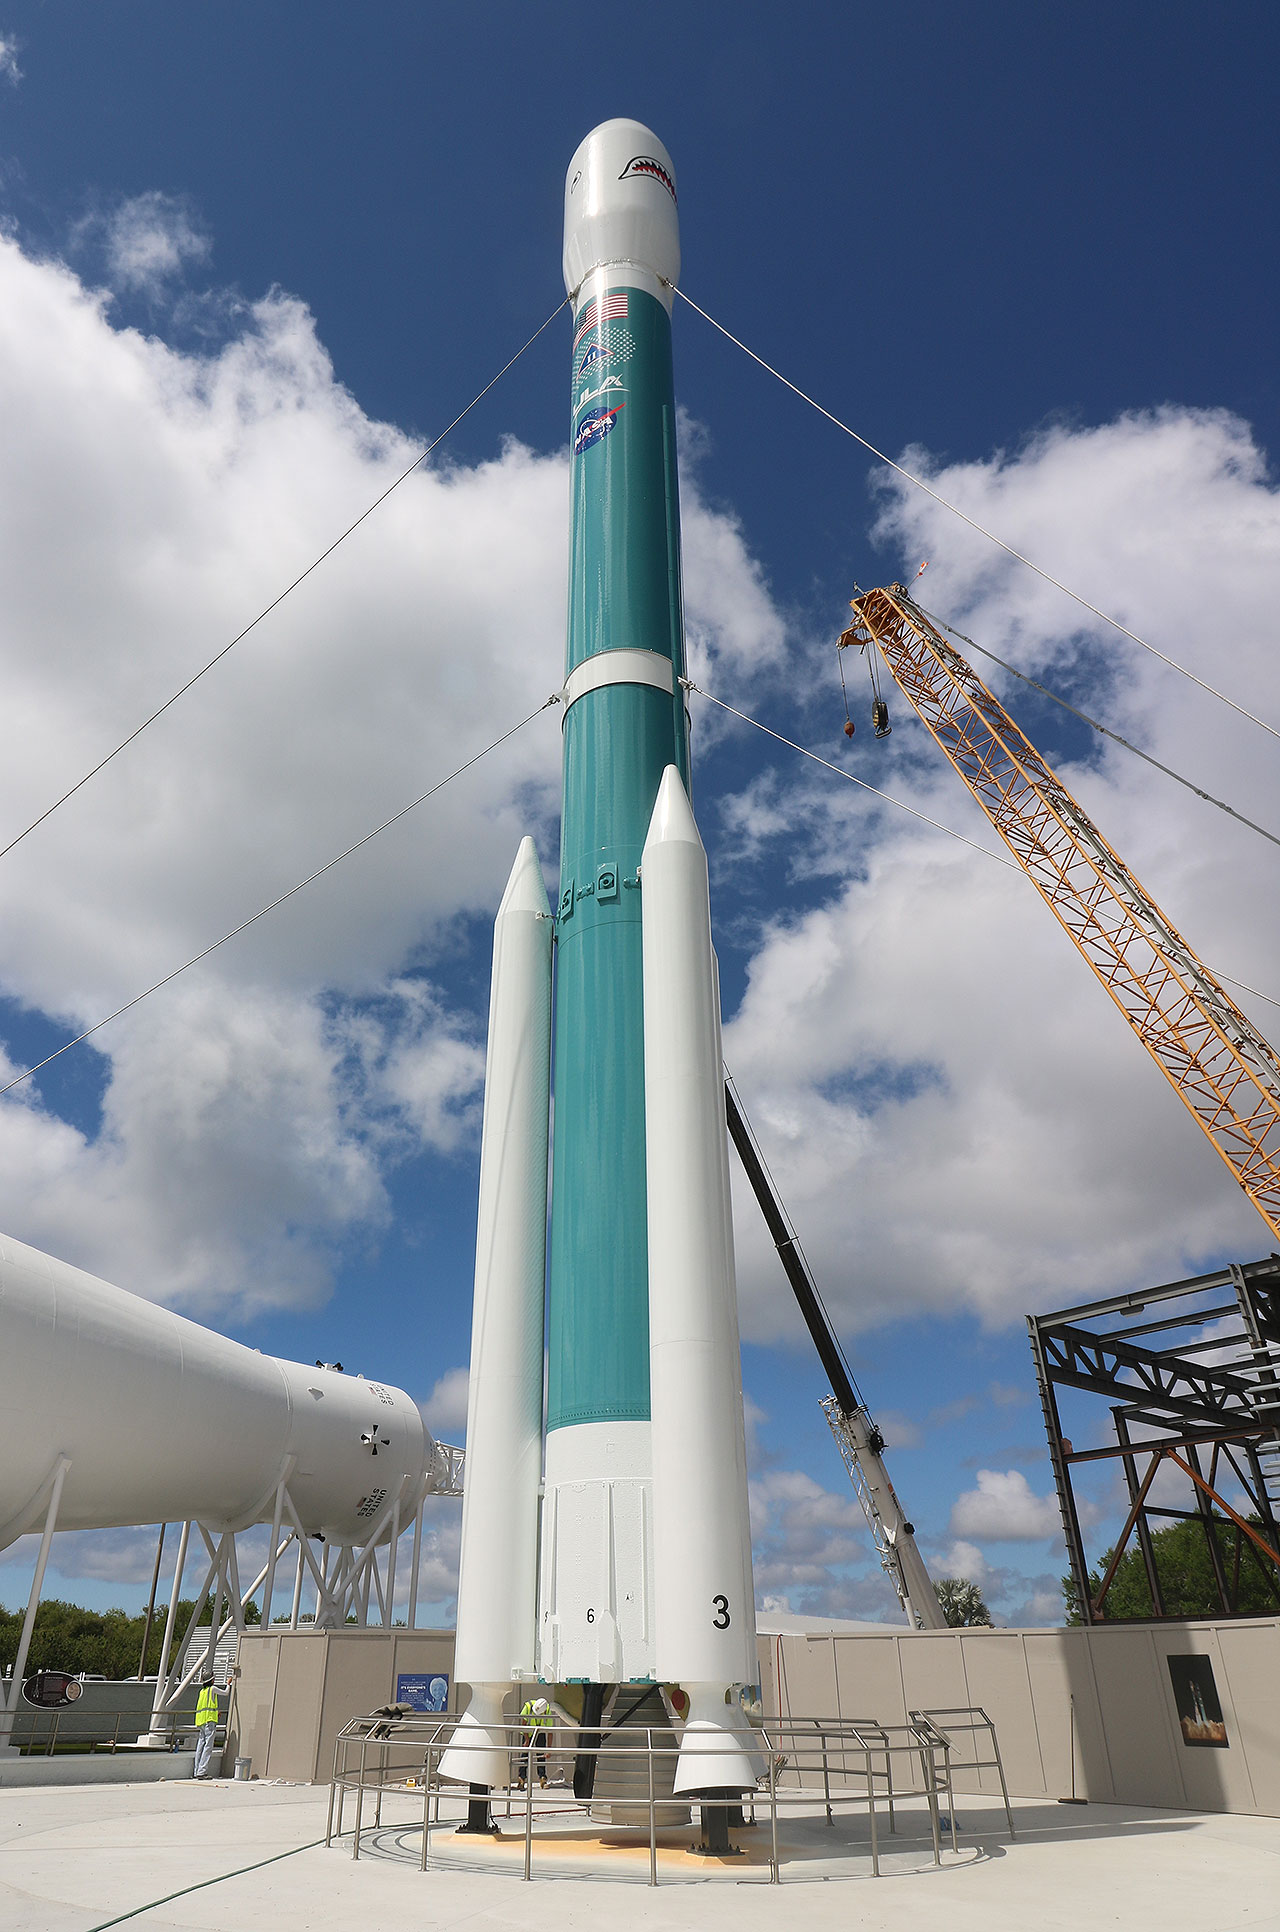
(1196, 1696)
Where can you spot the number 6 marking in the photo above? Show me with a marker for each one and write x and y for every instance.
(722, 1621)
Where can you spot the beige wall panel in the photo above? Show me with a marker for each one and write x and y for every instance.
(808, 1679)
(295, 1720)
(423, 1652)
(869, 1678)
(358, 1678)
(1213, 1779)
(808, 1689)
(249, 1718)
(1059, 1675)
(1250, 1656)
(767, 1665)
(932, 1670)
(995, 1669)
(1131, 1683)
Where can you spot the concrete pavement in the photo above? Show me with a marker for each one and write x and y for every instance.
(73, 1860)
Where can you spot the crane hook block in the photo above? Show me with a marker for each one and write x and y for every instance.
(848, 727)
(880, 719)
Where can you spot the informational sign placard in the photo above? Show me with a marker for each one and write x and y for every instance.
(423, 1691)
(51, 1689)
(1196, 1695)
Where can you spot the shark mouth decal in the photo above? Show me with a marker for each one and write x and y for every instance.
(645, 164)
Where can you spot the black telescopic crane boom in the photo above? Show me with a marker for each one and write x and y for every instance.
(860, 1443)
(797, 1274)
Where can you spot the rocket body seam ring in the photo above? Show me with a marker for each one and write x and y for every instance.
(618, 667)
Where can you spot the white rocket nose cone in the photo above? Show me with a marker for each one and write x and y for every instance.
(620, 204)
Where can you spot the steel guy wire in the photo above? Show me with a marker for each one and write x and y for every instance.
(840, 772)
(1106, 732)
(276, 602)
(311, 878)
(902, 806)
(919, 484)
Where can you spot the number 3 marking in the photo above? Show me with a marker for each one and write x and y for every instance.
(722, 1621)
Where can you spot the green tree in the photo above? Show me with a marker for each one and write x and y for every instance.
(962, 1602)
(102, 1643)
(1185, 1569)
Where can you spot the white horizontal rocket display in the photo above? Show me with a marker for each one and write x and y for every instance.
(638, 1568)
(159, 1420)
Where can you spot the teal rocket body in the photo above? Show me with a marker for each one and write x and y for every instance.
(619, 736)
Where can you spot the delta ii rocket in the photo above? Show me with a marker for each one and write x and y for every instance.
(609, 1543)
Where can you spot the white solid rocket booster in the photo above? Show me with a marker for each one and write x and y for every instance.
(704, 1606)
(498, 1576)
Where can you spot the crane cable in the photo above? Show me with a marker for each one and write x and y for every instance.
(937, 825)
(973, 524)
(555, 698)
(1106, 732)
(276, 602)
(840, 772)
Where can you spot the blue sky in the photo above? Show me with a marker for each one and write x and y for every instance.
(1034, 248)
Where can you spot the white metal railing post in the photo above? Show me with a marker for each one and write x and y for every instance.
(871, 1809)
(528, 1812)
(653, 1824)
(426, 1806)
(9, 1704)
(355, 1843)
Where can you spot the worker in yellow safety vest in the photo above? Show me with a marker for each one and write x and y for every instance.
(206, 1726)
(536, 1719)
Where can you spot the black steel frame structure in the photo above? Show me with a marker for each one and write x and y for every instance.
(1191, 1371)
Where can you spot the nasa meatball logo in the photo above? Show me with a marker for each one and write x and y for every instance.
(594, 427)
(644, 166)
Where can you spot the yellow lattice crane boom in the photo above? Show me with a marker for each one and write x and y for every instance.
(1215, 1059)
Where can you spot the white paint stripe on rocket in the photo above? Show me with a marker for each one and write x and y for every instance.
(497, 1583)
(704, 1611)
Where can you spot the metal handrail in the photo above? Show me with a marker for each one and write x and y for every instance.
(366, 1746)
(38, 1740)
(971, 1718)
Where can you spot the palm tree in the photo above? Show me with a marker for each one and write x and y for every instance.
(962, 1602)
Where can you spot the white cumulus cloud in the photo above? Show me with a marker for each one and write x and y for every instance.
(1003, 1508)
(446, 1407)
(942, 1089)
(151, 238)
(152, 501)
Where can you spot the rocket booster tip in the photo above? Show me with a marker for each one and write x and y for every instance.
(620, 204)
(526, 889)
(672, 814)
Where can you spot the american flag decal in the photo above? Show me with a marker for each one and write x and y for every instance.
(610, 308)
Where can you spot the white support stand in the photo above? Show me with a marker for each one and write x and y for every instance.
(344, 1579)
(343, 1585)
(9, 1700)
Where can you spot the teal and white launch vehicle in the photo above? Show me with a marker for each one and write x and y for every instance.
(634, 1565)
